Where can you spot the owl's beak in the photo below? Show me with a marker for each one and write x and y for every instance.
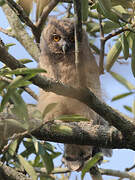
(64, 47)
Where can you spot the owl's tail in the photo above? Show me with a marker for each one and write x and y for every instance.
(75, 156)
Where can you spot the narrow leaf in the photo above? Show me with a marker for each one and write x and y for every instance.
(84, 10)
(113, 55)
(123, 81)
(105, 5)
(72, 118)
(7, 46)
(41, 151)
(17, 123)
(29, 169)
(133, 58)
(120, 96)
(133, 108)
(128, 108)
(91, 163)
(20, 108)
(48, 108)
(21, 71)
(25, 61)
(62, 129)
(125, 46)
(12, 147)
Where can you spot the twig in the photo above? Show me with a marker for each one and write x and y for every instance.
(109, 36)
(108, 172)
(44, 15)
(69, 10)
(130, 168)
(78, 39)
(23, 16)
(115, 173)
(5, 31)
(13, 138)
(102, 47)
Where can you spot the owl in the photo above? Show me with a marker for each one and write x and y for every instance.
(58, 59)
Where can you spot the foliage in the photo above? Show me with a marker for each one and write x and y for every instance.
(106, 20)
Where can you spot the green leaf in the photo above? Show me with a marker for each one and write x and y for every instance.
(25, 61)
(105, 5)
(41, 151)
(133, 58)
(48, 161)
(90, 163)
(84, 10)
(133, 108)
(125, 46)
(20, 71)
(113, 55)
(9, 45)
(17, 123)
(108, 26)
(20, 108)
(3, 85)
(121, 12)
(12, 147)
(106, 10)
(128, 108)
(55, 155)
(29, 169)
(62, 129)
(2, 2)
(72, 118)
(123, 81)
(120, 96)
(48, 108)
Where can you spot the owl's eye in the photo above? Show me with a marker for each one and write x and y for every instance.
(56, 37)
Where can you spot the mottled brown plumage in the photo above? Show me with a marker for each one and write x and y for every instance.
(58, 59)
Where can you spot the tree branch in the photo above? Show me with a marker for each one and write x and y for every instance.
(126, 126)
(78, 40)
(115, 173)
(23, 16)
(102, 47)
(44, 15)
(108, 172)
(8, 173)
(88, 135)
(20, 33)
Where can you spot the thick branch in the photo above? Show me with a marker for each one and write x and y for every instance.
(88, 135)
(127, 127)
(8, 173)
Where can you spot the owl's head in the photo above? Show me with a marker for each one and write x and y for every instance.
(58, 38)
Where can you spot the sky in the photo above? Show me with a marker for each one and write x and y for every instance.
(121, 159)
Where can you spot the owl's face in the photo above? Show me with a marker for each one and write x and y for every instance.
(59, 38)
